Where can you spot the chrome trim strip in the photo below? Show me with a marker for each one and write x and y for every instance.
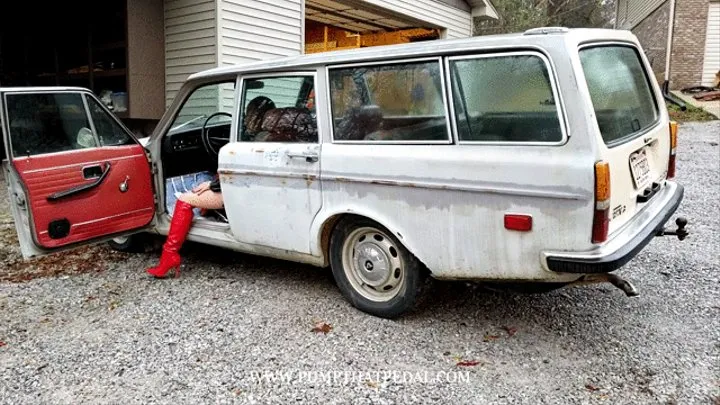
(281, 175)
(484, 188)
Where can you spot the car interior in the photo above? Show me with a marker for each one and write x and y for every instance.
(190, 150)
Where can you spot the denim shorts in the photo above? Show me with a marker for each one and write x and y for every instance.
(174, 186)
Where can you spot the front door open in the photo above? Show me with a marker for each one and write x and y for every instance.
(75, 175)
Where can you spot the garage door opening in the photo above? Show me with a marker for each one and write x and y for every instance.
(332, 25)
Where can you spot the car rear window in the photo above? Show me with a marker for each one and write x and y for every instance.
(620, 91)
(504, 98)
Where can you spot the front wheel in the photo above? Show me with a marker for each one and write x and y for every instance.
(372, 269)
(129, 244)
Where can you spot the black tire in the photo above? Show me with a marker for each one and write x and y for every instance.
(129, 244)
(409, 285)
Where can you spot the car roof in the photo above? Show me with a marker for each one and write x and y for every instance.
(542, 38)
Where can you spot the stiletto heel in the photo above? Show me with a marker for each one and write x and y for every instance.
(179, 227)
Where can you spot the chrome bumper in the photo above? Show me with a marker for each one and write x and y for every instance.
(626, 243)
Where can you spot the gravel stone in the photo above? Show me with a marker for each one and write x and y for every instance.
(91, 327)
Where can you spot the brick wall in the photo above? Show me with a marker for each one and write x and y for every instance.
(652, 33)
(686, 60)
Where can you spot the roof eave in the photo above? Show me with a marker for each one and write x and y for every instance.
(483, 9)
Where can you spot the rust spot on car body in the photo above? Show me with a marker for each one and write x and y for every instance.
(310, 178)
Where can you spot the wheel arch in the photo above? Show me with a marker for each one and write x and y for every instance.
(324, 227)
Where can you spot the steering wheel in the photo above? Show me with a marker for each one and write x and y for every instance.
(213, 144)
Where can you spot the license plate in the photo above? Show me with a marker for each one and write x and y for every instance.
(640, 168)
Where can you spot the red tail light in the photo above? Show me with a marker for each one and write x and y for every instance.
(601, 216)
(673, 148)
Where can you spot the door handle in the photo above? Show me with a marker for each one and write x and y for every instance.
(92, 172)
(81, 188)
(308, 156)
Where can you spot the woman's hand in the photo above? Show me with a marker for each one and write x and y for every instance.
(201, 188)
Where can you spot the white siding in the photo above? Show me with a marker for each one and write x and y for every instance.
(711, 61)
(630, 13)
(253, 30)
(458, 23)
(190, 41)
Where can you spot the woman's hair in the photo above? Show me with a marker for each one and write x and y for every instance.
(255, 112)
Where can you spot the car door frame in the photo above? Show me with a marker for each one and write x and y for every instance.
(317, 146)
(29, 245)
(154, 143)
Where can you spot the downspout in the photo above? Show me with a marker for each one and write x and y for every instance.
(668, 54)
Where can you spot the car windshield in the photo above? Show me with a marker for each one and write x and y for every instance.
(204, 102)
(196, 122)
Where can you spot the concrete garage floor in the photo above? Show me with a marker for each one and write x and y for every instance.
(90, 327)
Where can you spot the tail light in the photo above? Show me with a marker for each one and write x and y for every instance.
(601, 216)
(673, 147)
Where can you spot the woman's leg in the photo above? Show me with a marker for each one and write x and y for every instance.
(179, 227)
(208, 200)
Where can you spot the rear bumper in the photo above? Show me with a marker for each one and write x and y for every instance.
(626, 243)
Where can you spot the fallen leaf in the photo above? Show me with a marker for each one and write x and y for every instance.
(113, 304)
(2, 343)
(371, 384)
(510, 330)
(467, 363)
(322, 327)
(591, 387)
(488, 338)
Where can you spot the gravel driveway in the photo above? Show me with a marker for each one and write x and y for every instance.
(90, 327)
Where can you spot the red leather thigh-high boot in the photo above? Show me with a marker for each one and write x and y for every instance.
(170, 260)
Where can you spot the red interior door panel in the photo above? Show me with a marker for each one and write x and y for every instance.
(65, 206)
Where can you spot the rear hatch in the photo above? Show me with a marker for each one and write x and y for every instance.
(636, 139)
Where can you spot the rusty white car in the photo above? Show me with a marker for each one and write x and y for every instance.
(538, 159)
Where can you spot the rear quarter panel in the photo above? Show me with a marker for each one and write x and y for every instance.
(446, 203)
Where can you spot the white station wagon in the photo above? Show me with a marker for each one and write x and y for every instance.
(541, 159)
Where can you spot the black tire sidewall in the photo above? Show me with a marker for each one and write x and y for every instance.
(133, 244)
(412, 280)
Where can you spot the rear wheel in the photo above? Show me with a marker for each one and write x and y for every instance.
(129, 244)
(372, 269)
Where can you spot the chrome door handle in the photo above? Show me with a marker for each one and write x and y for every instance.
(308, 156)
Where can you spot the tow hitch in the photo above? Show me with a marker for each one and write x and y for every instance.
(680, 232)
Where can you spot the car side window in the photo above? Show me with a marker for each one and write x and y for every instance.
(43, 123)
(108, 131)
(279, 109)
(389, 102)
(504, 98)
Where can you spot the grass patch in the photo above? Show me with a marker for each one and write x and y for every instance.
(692, 113)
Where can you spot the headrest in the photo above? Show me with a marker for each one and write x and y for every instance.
(255, 112)
(290, 124)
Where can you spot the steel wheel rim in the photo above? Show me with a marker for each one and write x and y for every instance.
(121, 240)
(372, 264)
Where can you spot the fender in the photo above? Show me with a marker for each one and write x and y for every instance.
(325, 216)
